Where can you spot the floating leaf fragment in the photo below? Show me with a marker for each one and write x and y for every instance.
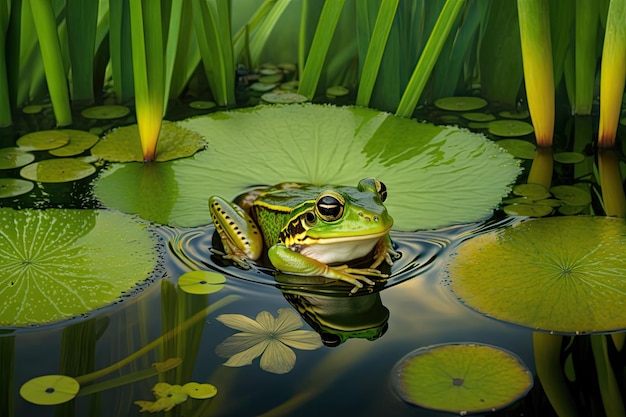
(532, 191)
(12, 187)
(569, 157)
(337, 91)
(522, 114)
(461, 378)
(50, 389)
(43, 140)
(478, 117)
(79, 142)
(14, 158)
(284, 98)
(105, 112)
(57, 170)
(519, 148)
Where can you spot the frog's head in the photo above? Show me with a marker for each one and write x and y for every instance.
(351, 219)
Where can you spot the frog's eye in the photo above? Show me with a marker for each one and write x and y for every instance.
(373, 185)
(381, 188)
(329, 206)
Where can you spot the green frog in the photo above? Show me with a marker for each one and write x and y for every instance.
(308, 229)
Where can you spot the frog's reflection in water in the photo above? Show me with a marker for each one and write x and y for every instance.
(337, 316)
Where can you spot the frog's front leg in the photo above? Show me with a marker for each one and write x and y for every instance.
(384, 251)
(291, 262)
(240, 236)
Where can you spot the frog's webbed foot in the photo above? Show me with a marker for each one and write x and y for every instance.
(384, 251)
(354, 276)
(241, 261)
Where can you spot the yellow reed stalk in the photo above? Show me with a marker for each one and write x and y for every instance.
(534, 26)
(613, 73)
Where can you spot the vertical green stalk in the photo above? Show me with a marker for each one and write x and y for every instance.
(534, 25)
(428, 58)
(613, 73)
(82, 23)
(260, 36)
(585, 54)
(319, 47)
(609, 388)
(5, 101)
(46, 27)
(171, 48)
(373, 59)
(121, 50)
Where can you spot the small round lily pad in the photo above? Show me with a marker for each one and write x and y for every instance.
(57, 170)
(284, 98)
(271, 79)
(79, 142)
(14, 158)
(290, 85)
(12, 187)
(460, 103)
(262, 87)
(337, 91)
(569, 157)
(105, 112)
(478, 117)
(518, 148)
(529, 210)
(532, 191)
(201, 282)
(202, 105)
(507, 114)
(44, 140)
(571, 195)
(50, 389)
(32, 109)
(461, 378)
(510, 128)
(200, 391)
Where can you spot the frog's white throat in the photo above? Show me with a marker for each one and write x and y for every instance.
(338, 250)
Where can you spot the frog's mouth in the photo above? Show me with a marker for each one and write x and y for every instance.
(340, 249)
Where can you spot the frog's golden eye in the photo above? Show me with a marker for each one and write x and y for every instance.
(381, 189)
(373, 185)
(329, 206)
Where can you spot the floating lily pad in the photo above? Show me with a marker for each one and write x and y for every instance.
(290, 85)
(200, 391)
(510, 128)
(32, 109)
(461, 378)
(532, 191)
(123, 144)
(569, 157)
(202, 105)
(14, 158)
(79, 142)
(50, 389)
(478, 117)
(561, 274)
(57, 170)
(12, 187)
(43, 140)
(460, 103)
(530, 210)
(105, 112)
(271, 78)
(519, 148)
(569, 194)
(201, 282)
(262, 87)
(435, 176)
(284, 98)
(60, 263)
(522, 114)
(337, 91)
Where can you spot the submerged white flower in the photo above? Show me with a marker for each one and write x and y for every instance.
(267, 336)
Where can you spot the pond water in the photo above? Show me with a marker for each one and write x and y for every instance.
(365, 334)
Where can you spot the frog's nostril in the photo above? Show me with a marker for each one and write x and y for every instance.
(375, 218)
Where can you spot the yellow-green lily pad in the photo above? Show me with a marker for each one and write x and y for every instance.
(507, 114)
(33, 109)
(262, 87)
(202, 105)
(569, 157)
(79, 142)
(290, 85)
(105, 112)
(461, 378)
(14, 158)
(532, 191)
(200, 391)
(43, 140)
(284, 98)
(271, 78)
(569, 194)
(560, 274)
(69, 262)
(337, 91)
(519, 148)
(123, 144)
(57, 170)
(478, 117)
(460, 103)
(50, 389)
(530, 210)
(510, 128)
(12, 187)
(201, 282)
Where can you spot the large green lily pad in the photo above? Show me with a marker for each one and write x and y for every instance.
(558, 274)
(435, 175)
(60, 263)
(123, 144)
(57, 170)
(462, 378)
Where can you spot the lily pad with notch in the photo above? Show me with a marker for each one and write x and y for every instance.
(461, 378)
(79, 142)
(558, 274)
